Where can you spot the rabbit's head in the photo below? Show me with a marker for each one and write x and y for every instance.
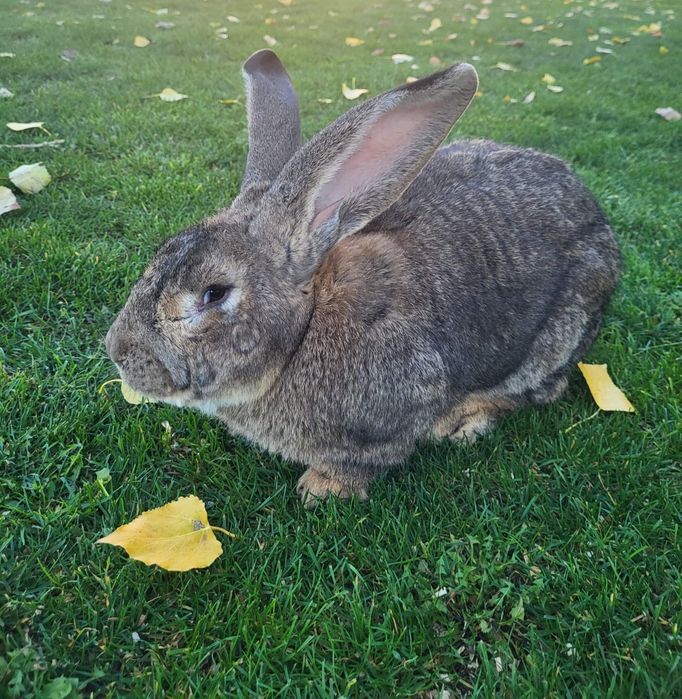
(224, 305)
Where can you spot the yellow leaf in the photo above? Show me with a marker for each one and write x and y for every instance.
(548, 78)
(526, 20)
(175, 537)
(411, 79)
(592, 59)
(8, 202)
(269, 40)
(132, 396)
(229, 101)
(605, 393)
(555, 88)
(435, 24)
(30, 178)
(23, 126)
(232, 18)
(352, 93)
(168, 94)
(398, 58)
(663, 50)
(555, 41)
(620, 40)
(354, 41)
(141, 41)
(505, 66)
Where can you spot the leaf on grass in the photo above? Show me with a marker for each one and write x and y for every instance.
(529, 97)
(592, 59)
(555, 88)
(130, 395)
(229, 101)
(669, 114)
(4, 92)
(605, 393)
(324, 100)
(548, 78)
(663, 50)
(175, 537)
(8, 202)
(398, 58)
(168, 94)
(352, 93)
(354, 41)
(233, 19)
(141, 41)
(601, 49)
(505, 66)
(526, 20)
(23, 126)
(555, 41)
(435, 24)
(164, 25)
(30, 178)
(270, 40)
(7, 54)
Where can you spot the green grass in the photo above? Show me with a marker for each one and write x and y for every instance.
(542, 561)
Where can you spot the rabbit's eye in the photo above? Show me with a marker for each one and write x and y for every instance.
(215, 294)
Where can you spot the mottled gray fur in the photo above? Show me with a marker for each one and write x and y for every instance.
(378, 291)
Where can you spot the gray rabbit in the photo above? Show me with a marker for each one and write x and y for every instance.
(365, 291)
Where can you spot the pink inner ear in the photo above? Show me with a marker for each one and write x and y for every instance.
(373, 156)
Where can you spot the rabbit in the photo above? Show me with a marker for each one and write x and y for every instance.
(368, 290)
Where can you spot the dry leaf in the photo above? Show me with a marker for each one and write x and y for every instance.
(601, 49)
(411, 79)
(30, 179)
(592, 59)
(354, 41)
(605, 393)
(8, 202)
(141, 41)
(175, 537)
(130, 395)
(401, 58)
(529, 97)
(23, 126)
(555, 41)
(352, 93)
(669, 114)
(377, 52)
(555, 88)
(164, 25)
(7, 54)
(168, 94)
(435, 61)
(233, 19)
(663, 50)
(270, 40)
(620, 40)
(4, 92)
(505, 66)
(548, 78)
(526, 20)
(435, 24)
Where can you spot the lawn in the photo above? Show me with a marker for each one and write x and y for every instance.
(542, 561)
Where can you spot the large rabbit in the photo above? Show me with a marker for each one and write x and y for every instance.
(365, 290)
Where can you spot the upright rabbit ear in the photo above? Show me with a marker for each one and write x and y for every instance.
(360, 164)
(274, 121)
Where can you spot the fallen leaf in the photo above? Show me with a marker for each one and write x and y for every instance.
(426, 6)
(377, 52)
(270, 40)
(653, 28)
(555, 41)
(601, 49)
(229, 101)
(663, 50)
(411, 79)
(233, 19)
(68, 55)
(165, 25)
(8, 202)
(620, 40)
(7, 54)
(30, 179)
(352, 93)
(605, 393)
(435, 61)
(168, 94)
(669, 114)
(141, 41)
(324, 100)
(529, 97)
(435, 24)
(548, 78)
(23, 126)
(425, 42)
(401, 58)
(592, 59)
(526, 20)
(593, 37)
(4, 92)
(505, 66)
(354, 41)
(175, 537)
(555, 88)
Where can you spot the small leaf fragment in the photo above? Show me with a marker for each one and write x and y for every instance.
(164, 25)
(270, 40)
(168, 94)
(526, 20)
(175, 537)
(352, 93)
(555, 41)
(663, 50)
(505, 66)
(555, 88)
(548, 78)
(529, 97)
(435, 24)
(353, 41)
(398, 58)
(23, 126)
(4, 92)
(592, 59)
(8, 202)
(141, 41)
(605, 393)
(30, 179)
(669, 114)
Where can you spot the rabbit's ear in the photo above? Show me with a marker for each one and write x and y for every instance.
(273, 117)
(360, 164)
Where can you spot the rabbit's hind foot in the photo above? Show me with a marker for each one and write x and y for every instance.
(469, 420)
(316, 485)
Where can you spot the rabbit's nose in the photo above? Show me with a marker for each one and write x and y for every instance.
(117, 346)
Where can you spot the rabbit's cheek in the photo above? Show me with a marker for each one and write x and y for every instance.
(244, 338)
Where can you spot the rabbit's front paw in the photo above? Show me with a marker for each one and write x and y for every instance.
(314, 486)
